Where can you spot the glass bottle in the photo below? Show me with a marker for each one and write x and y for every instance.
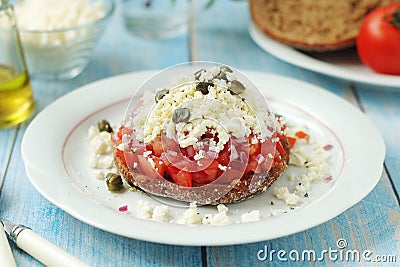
(16, 96)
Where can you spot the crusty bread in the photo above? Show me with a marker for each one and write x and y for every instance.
(313, 25)
(249, 186)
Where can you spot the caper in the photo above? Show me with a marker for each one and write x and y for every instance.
(226, 69)
(236, 87)
(114, 182)
(203, 87)
(160, 94)
(198, 73)
(104, 126)
(222, 73)
(181, 115)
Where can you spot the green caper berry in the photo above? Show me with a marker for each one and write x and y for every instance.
(104, 126)
(222, 73)
(160, 94)
(236, 87)
(226, 69)
(198, 73)
(181, 115)
(114, 182)
(203, 87)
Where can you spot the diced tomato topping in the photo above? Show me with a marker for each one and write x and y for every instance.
(266, 164)
(224, 157)
(180, 177)
(200, 178)
(188, 151)
(292, 141)
(169, 160)
(252, 165)
(170, 145)
(280, 148)
(146, 167)
(255, 149)
(302, 135)
(212, 170)
(157, 147)
(129, 158)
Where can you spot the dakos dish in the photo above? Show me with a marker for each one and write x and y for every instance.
(206, 136)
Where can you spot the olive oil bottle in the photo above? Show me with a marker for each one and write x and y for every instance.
(16, 98)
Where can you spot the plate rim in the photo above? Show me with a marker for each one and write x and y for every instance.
(219, 234)
(296, 58)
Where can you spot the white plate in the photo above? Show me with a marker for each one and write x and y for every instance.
(55, 150)
(341, 64)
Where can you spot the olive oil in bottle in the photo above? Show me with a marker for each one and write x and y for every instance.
(16, 97)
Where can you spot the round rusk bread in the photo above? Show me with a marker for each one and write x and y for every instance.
(241, 190)
(312, 25)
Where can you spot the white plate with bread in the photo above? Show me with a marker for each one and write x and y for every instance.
(60, 172)
(343, 64)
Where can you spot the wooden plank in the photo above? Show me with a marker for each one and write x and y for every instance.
(383, 108)
(7, 137)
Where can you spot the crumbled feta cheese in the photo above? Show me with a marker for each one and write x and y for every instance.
(98, 145)
(221, 218)
(53, 15)
(222, 167)
(190, 216)
(251, 216)
(227, 114)
(282, 193)
(217, 219)
(275, 212)
(161, 214)
(199, 155)
(147, 153)
(152, 163)
(92, 132)
(314, 158)
(100, 174)
(145, 209)
(222, 208)
(123, 146)
(106, 162)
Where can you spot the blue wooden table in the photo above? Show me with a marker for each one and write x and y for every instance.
(219, 34)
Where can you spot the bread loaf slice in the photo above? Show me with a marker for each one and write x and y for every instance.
(312, 25)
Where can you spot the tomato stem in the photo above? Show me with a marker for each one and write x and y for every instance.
(396, 18)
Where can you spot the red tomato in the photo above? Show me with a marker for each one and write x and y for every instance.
(145, 167)
(252, 165)
(200, 178)
(280, 148)
(292, 141)
(157, 147)
(378, 42)
(224, 157)
(302, 135)
(182, 178)
(212, 170)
